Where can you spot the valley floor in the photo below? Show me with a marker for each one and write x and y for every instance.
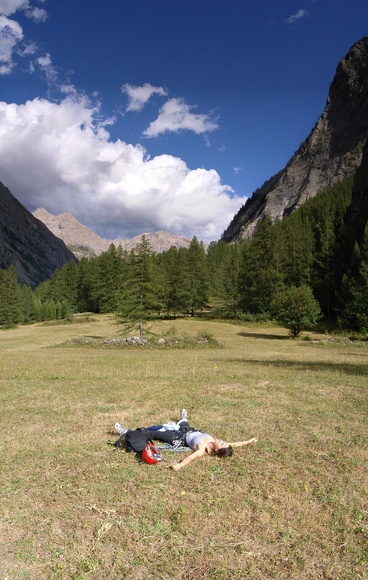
(292, 506)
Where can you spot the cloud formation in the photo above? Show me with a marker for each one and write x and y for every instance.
(297, 16)
(9, 7)
(59, 154)
(11, 33)
(176, 116)
(139, 96)
(61, 157)
(34, 13)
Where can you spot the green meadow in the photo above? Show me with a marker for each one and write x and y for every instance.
(292, 506)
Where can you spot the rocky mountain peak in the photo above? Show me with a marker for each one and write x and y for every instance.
(80, 240)
(332, 151)
(84, 242)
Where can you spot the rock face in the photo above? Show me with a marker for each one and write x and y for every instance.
(27, 244)
(84, 242)
(160, 241)
(80, 240)
(332, 151)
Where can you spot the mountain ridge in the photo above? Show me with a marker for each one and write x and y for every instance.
(332, 151)
(84, 242)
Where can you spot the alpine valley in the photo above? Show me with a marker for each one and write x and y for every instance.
(38, 244)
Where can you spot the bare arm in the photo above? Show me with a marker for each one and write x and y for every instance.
(195, 455)
(242, 443)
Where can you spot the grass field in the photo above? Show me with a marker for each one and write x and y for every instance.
(294, 505)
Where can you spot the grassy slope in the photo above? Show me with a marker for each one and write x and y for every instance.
(292, 506)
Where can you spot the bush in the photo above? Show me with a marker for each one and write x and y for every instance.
(296, 308)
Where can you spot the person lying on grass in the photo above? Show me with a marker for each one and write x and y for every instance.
(183, 434)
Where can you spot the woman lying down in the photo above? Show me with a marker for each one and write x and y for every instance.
(182, 433)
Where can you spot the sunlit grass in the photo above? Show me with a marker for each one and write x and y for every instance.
(292, 506)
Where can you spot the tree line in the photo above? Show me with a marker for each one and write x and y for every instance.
(249, 279)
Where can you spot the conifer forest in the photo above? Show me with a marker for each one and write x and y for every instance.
(243, 280)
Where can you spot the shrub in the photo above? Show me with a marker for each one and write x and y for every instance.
(296, 308)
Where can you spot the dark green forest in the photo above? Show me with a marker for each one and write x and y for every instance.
(241, 281)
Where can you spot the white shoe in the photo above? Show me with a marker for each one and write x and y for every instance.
(184, 415)
(120, 429)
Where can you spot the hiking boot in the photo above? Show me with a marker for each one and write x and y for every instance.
(120, 429)
(184, 415)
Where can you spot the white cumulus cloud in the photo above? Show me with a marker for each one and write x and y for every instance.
(175, 116)
(61, 157)
(139, 96)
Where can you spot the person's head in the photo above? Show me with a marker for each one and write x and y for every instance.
(224, 452)
(221, 449)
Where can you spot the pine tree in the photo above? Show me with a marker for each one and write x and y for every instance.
(58, 287)
(178, 284)
(70, 274)
(298, 249)
(86, 300)
(354, 290)
(228, 279)
(140, 295)
(198, 277)
(215, 257)
(326, 213)
(10, 298)
(260, 273)
(168, 265)
(108, 279)
(28, 304)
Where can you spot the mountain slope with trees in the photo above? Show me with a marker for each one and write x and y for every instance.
(332, 151)
(27, 244)
(252, 279)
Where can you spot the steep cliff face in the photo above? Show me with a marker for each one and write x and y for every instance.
(27, 244)
(332, 151)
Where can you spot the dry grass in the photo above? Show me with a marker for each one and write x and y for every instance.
(292, 506)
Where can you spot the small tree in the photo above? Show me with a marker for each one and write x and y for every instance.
(296, 308)
(139, 294)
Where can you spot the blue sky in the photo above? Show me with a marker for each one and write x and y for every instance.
(161, 114)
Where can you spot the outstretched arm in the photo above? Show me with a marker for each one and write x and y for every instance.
(195, 455)
(242, 443)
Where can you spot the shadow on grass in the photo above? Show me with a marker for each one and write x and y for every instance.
(347, 368)
(262, 335)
